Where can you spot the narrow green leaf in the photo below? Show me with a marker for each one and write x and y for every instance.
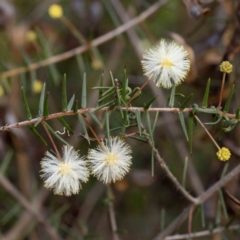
(229, 128)
(113, 83)
(75, 107)
(6, 161)
(190, 131)
(29, 115)
(139, 122)
(100, 93)
(82, 123)
(206, 94)
(45, 106)
(222, 129)
(224, 170)
(155, 121)
(95, 119)
(80, 62)
(104, 105)
(107, 125)
(227, 105)
(65, 124)
(34, 131)
(182, 121)
(172, 97)
(202, 216)
(210, 111)
(238, 113)
(185, 172)
(163, 219)
(184, 104)
(70, 104)
(41, 102)
(104, 96)
(152, 163)
(148, 105)
(124, 85)
(223, 203)
(55, 134)
(149, 127)
(37, 122)
(84, 92)
(64, 93)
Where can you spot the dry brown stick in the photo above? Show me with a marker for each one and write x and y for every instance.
(201, 199)
(85, 110)
(112, 216)
(190, 215)
(98, 41)
(25, 219)
(202, 233)
(27, 205)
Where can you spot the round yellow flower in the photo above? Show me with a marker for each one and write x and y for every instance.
(55, 11)
(37, 86)
(226, 67)
(31, 36)
(223, 154)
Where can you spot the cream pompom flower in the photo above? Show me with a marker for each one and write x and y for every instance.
(64, 176)
(166, 64)
(111, 163)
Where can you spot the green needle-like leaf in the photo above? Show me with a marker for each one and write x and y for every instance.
(148, 105)
(220, 193)
(124, 85)
(64, 123)
(64, 93)
(45, 109)
(75, 107)
(172, 97)
(95, 119)
(152, 162)
(55, 134)
(185, 172)
(206, 94)
(184, 104)
(70, 104)
(238, 113)
(227, 105)
(82, 123)
(149, 127)
(35, 132)
(190, 131)
(41, 102)
(182, 121)
(84, 92)
(139, 122)
(107, 125)
(29, 115)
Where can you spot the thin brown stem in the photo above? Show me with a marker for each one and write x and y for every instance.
(96, 42)
(86, 110)
(112, 216)
(221, 93)
(51, 139)
(95, 135)
(138, 91)
(190, 219)
(208, 133)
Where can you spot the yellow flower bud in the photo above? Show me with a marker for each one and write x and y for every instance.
(31, 36)
(97, 64)
(1, 91)
(226, 67)
(37, 86)
(55, 11)
(223, 154)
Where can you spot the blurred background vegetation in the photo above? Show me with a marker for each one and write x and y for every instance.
(144, 205)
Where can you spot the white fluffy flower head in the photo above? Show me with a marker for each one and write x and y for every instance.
(166, 64)
(113, 163)
(64, 176)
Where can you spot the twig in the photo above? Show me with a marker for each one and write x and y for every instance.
(98, 41)
(203, 233)
(27, 205)
(208, 133)
(221, 92)
(113, 221)
(85, 110)
(190, 219)
(171, 176)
